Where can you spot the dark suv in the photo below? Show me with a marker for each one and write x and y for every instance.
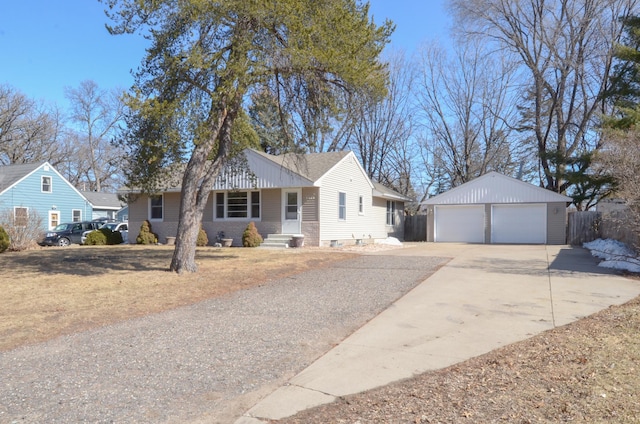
(65, 234)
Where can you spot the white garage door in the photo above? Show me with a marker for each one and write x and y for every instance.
(525, 224)
(459, 223)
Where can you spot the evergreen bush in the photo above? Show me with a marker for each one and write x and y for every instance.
(251, 237)
(103, 236)
(4, 240)
(203, 240)
(96, 238)
(114, 237)
(146, 236)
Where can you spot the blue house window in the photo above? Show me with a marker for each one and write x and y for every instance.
(77, 215)
(46, 184)
(20, 216)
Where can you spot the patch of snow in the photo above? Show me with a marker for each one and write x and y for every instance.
(392, 241)
(615, 254)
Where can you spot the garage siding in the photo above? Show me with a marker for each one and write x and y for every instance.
(556, 223)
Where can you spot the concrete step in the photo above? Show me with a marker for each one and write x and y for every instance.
(281, 241)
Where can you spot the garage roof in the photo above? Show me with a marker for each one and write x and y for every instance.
(496, 188)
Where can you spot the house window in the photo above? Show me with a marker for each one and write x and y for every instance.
(342, 206)
(156, 207)
(391, 212)
(237, 205)
(46, 184)
(219, 205)
(361, 205)
(76, 215)
(255, 204)
(21, 216)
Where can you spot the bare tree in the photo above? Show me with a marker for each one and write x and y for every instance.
(23, 230)
(564, 49)
(97, 114)
(465, 104)
(383, 127)
(29, 131)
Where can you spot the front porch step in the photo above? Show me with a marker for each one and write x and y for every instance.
(280, 241)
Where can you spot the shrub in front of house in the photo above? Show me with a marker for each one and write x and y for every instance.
(114, 237)
(251, 237)
(202, 240)
(103, 236)
(146, 236)
(96, 238)
(4, 240)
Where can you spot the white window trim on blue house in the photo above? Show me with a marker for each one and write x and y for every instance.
(16, 217)
(48, 185)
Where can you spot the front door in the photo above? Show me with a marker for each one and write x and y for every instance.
(54, 219)
(291, 211)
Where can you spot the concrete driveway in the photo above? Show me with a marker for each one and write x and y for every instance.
(486, 297)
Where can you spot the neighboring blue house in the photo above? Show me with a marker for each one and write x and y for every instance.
(105, 205)
(39, 188)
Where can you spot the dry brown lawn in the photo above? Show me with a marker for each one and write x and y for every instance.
(586, 371)
(53, 291)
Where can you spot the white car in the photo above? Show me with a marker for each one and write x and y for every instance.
(122, 227)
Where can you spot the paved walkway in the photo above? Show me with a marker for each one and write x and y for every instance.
(488, 296)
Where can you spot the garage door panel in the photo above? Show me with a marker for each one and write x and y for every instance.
(525, 224)
(460, 223)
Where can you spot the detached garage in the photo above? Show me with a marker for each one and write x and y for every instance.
(495, 208)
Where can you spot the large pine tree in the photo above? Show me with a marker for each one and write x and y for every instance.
(205, 58)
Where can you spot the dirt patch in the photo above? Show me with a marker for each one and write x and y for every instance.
(53, 291)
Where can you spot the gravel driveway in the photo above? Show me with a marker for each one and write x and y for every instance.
(207, 362)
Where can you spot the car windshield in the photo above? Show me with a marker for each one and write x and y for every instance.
(62, 227)
(112, 226)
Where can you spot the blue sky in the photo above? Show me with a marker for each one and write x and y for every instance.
(47, 45)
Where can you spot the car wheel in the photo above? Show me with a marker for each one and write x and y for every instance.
(64, 242)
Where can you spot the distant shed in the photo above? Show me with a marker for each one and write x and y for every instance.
(494, 208)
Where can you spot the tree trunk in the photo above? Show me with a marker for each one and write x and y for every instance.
(195, 185)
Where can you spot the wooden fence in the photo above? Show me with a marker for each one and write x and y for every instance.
(586, 226)
(415, 228)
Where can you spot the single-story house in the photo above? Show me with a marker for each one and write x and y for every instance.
(104, 205)
(325, 197)
(494, 208)
(26, 189)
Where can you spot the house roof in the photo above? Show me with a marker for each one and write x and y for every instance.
(496, 188)
(12, 174)
(384, 191)
(286, 170)
(101, 200)
(311, 166)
